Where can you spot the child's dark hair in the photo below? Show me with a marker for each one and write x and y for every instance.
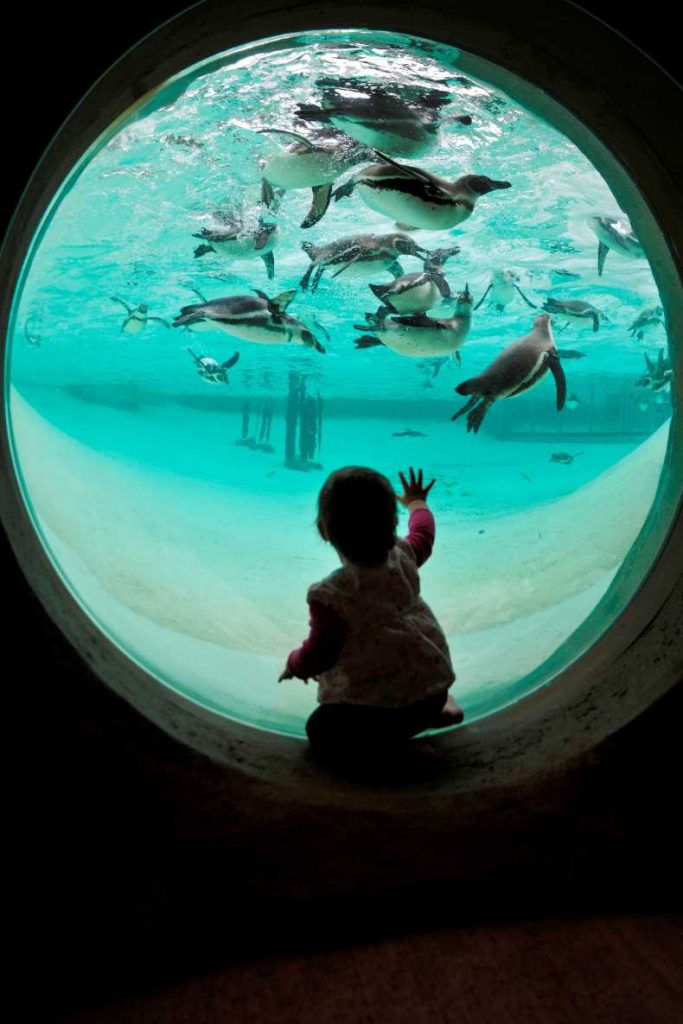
(357, 514)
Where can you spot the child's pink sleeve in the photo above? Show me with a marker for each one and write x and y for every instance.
(421, 533)
(321, 648)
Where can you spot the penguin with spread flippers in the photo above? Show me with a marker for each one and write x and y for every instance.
(137, 317)
(503, 287)
(418, 292)
(381, 116)
(416, 198)
(615, 233)
(307, 164)
(252, 318)
(574, 311)
(359, 256)
(228, 236)
(650, 320)
(658, 375)
(519, 366)
(210, 370)
(419, 336)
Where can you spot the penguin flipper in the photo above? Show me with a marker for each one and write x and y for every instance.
(345, 190)
(199, 295)
(271, 197)
(128, 309)
(195, 357)
(438, 363)
(367, 341)
(411, 172)
(476, 416)
(443, 286)
(282, 300)
(321, 200)
(231, 361)
(482, 298)
(305, 280)
(269, 261)
(602, 256)
(202, 250)
(596, 322)
(555, 367)
(379, 290)
(466, 407)
(292, 135)
(528, 301)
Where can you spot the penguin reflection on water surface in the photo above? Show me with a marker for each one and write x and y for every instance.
(252, 318)
(519, 367)
(420, 335)
(416, 198)
(402, 120)
(359, 256)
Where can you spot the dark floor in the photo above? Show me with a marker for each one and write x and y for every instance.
(592, 970)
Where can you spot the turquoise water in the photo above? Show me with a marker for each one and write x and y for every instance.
(192, 549)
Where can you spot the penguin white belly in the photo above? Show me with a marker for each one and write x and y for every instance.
(502, 293)
(417, 299)
(202, 326)
(364, 268)
(383, 139)
(244, 246)
(631, 249)
(409, 209)
(253, 332)
(419, 342)
(302, 170)
(134, 325)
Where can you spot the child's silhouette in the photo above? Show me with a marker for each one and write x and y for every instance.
(379, 655)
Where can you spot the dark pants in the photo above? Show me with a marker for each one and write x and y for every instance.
(348, 730)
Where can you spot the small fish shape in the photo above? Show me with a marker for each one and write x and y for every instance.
(408, 433)
(564, 457)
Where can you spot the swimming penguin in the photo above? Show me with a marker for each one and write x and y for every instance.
(305, 164)
(658, 374)
(137, 317)
(420, 335)
(359, 256)
(416, 293)
(415, 197)
(402, 121)
(229, 237)
(564, 457)
(576, 311)
(252, 318)
(503, 285)
(648, 321)
(212, 371)
(519, 367)
(615, 233)
(570, 353)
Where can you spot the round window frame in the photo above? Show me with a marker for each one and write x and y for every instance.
(638, 658)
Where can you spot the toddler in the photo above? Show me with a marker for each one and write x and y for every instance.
(379, 655)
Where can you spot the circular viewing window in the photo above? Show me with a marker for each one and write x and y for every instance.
(171, 450)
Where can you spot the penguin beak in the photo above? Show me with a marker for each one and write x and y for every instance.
(498, 184)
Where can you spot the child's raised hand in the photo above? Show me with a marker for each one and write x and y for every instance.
(414, 490)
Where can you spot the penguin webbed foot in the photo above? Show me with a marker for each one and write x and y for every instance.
(367, 341)
(476, 416)
(344, 191)
(466, 407)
